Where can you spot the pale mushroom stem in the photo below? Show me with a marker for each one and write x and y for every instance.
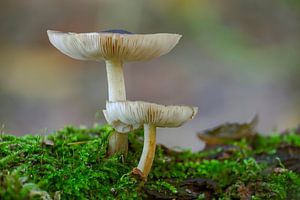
(148, 153)
(116, 83)
(118, 142)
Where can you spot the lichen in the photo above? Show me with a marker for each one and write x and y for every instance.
(72, 163)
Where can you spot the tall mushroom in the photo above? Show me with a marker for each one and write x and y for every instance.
(125, 116)
(115, 47)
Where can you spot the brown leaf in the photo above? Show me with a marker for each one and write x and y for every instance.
(229, 132)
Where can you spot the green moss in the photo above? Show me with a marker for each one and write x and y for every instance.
(72, 164)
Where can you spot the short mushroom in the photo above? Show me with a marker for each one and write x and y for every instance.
(125, 116)
(115, 47)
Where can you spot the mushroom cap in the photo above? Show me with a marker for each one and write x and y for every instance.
(113, 45)
(126, 116)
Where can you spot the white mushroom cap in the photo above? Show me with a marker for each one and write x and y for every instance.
(126, 116)
(113, 46)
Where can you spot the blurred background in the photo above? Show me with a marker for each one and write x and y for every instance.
(235, 59)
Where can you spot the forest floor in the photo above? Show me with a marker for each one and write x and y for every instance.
(72, 163)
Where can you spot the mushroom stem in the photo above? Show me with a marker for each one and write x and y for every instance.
(118, 142)
(148, 153)
(115, 79)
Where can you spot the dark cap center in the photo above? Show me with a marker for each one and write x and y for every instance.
(120, 31)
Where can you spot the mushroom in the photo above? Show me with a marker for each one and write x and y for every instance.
(115, 47)
(126, 116)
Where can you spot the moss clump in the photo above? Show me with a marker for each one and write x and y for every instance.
(72, 164)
